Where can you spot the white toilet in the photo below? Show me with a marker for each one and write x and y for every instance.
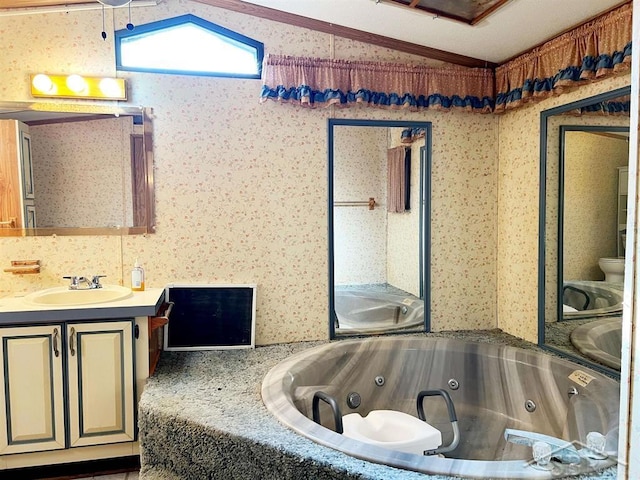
(392, 430)
(613, 269)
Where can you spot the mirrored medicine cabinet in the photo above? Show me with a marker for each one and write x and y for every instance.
(70, 169)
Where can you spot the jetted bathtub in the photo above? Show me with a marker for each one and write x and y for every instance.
(370, 311)
(492, 387)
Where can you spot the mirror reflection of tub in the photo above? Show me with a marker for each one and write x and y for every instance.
(588, 299)
(367, 309)
(591, 325)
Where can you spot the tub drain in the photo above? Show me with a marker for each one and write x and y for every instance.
(530, 406)
(379, 380)
(453, 384)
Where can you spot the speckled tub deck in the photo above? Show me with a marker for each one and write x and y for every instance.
(201, 416)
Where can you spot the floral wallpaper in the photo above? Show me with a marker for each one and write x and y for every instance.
(360, 234)
(403, 236)
(241, 189)
(591, 202)
(373, 246)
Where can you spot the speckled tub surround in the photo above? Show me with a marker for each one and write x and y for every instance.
(202, 416)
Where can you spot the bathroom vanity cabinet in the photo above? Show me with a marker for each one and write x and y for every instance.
(72, 380)
(17, 194)
(79, 374)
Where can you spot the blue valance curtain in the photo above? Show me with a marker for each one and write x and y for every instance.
(593, 51)
(316, 82)
(410, 135)
(596, 50)
(620, 107)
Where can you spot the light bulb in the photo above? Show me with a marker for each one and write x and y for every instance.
(76, 83)
(110, 87)
(43, 83)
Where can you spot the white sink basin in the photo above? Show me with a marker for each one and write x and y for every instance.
(62, 296)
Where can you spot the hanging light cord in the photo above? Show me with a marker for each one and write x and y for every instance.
(104, 32)
(130, 25)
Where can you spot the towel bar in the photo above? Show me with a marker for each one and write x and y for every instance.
(23, 267)
(371, 203)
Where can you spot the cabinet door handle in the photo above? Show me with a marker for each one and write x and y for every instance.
(71, 340)
(56, 352)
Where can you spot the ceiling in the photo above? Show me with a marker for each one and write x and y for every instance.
(486, 31)
(514, 27)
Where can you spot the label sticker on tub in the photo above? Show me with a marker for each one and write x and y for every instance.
(581, 378)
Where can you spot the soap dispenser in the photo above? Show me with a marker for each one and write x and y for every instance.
(137, 277)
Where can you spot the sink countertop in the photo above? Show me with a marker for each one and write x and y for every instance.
(14, 310)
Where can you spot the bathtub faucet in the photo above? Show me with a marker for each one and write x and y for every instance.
(545, 447)
(559, 449)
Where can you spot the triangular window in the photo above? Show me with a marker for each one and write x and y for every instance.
(188, 45)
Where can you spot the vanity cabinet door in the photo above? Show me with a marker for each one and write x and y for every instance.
(31, 400)
(101, 382)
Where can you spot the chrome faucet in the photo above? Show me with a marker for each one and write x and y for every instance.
(92, 283)
(95, 281)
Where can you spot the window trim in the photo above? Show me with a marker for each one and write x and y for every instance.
(182, 20)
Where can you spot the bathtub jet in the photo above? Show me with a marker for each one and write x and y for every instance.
(520, 413)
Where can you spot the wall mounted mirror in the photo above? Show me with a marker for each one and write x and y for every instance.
(71, 169)
(379, 221)
(584, 159)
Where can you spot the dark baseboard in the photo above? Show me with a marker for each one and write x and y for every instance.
(66, 471)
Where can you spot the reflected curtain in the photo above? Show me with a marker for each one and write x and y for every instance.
(315, 82)
(593, 51)
(395, 180)
(616, 108)
(410, 135)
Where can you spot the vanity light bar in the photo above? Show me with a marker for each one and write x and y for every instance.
(78, 86)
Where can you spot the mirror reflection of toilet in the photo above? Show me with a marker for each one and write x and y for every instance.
(613, 269)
